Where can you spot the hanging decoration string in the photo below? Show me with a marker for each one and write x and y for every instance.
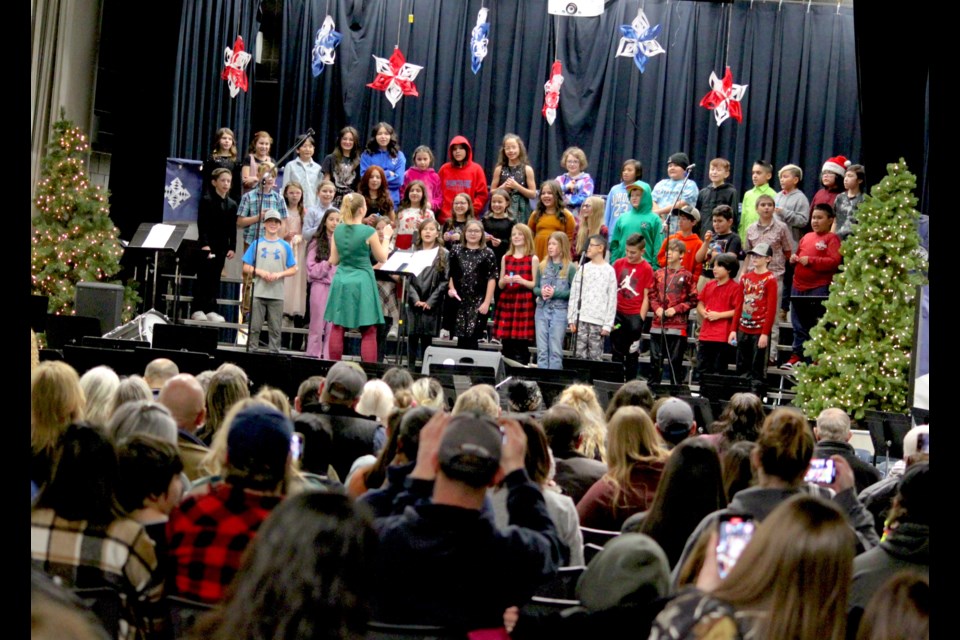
(724, 96)
(399, 25)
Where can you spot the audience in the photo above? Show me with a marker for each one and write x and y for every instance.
(900, 610)
(227, 385)
(878, 497)
(675, 422)
(131, 388)
(159, 371)
(740, 421)
(56, 401)
(575, 472)
(833, 438)
(99, 386)
(583, 398)
(183, 395)
(144, 417)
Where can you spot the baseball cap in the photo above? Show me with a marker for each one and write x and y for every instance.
(344, 381)
(259, 438)
(470, 449)
(634, 187)
(691, 211)
(674, 417)
(631, 569)
(271, 214)
(762, 249)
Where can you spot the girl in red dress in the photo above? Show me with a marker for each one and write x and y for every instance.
(514, 320)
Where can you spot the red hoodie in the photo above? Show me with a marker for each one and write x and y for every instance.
(469, 179)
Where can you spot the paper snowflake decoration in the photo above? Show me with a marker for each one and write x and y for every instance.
(235, 62)
(175, 193)
(724, 98)
(395, 77)
(551, 91)
(638, 41)
(479, 41)
(323, 47)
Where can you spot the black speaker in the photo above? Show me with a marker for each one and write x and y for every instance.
(490, 359)
(64, 330)
(37, 312)
(182, 337)
(101, 300)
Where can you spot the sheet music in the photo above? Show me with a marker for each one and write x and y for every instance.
(410, 262)
(159, 236)
(397, 261)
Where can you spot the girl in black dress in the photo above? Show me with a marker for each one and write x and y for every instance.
(473, 278)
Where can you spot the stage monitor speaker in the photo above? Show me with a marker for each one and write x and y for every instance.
(64, 330)
(102, 300)
(182, 337)
(441, 355)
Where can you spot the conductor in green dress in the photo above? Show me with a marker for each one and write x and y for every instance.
(354, 302)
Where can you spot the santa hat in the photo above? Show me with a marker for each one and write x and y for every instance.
(837, 165)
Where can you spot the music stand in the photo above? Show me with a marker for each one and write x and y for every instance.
(157, 237)
(181, 337)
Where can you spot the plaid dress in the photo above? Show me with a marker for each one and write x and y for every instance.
(516, 307)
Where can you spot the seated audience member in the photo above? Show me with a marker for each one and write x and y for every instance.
(76, 536)
(635, 393)
(636, 455)
(575, 473)
(159, 371)
(275, 398)
(833, 438)
(480, 398)
(428, 392)
(228, 385)
(334, 433)
(150, 485)
(623, 587)
(99, 386)
(184, 397)
(878, 497)
(740, 422)
(56, 613)
(397, 378)
(583, 398)
(737, 468)
(675, 422)
(899, 609)
(690, 489)
(562, 510)
(208, 532)
(56, 401)
(376, 401)
(906, 539)
(780, 460)
(369, 471)
(142, 417)
(380, 500)
(791, 581)
(523, 396)
(428, 548)
(131, 388)
(307, 393)
(308, 574)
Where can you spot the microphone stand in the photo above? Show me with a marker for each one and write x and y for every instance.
(256, 230)
(576, 334)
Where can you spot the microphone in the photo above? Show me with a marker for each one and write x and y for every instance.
(689, 166)
(310, 132)
(583, 258)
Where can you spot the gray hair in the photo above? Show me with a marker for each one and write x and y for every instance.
(142, 417)
(833, 424)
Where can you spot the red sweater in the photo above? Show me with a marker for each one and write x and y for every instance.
(720, 297)
(758, 308)
(823, 260)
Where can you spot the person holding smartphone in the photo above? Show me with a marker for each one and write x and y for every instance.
(780, 462)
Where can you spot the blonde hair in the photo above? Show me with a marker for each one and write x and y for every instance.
(583, 398)
(376, 400)
(527, 240)
(564, 243)
(577, 153)
(212, 463)
(56, 401)
(631, 438)
(352, 205)
(480, 398)
(228, 385)
(595, 222)
(276, 398)
(428, 392)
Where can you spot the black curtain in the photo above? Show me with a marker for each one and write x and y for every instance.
(799, 62)
(201, 99)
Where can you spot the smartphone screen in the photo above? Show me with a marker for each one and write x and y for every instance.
(821, 471)
(296, 446)
(735, 533)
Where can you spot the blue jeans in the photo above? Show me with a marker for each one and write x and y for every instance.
(551, 321)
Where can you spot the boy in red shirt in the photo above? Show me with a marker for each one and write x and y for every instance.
(719, 301)
(673, 294)
(753, 320)
(634, 278)
(816, 261)
(688, 218)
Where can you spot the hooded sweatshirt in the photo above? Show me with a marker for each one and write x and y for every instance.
(469, 179)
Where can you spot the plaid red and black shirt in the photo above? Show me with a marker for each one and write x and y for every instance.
(207, 535)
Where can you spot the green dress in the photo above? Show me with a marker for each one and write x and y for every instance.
(354, 301)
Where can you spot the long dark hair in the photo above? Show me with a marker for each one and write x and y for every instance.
(307, 574)
(553, 186)
(741, 420)
(383, 202)
(354, 153)
(393, 147)
(320, 237)
(691, 487)
(440, 264)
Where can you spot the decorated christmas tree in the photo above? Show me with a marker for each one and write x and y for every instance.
(860, 349)
(74, 239)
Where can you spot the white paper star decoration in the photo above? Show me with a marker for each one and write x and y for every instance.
(395, 77)
(479, 41)
(235, 62)
(638, 41)
(551, 91)
(175, 193)
(324, 47)
(724, 97)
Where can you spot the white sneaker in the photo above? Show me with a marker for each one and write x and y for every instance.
(198, 315)
(635, 347)
(444, 334)
(392, 333)
(242, 337)
(215, 317)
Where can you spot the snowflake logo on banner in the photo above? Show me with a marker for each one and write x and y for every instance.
(724, 98)
(235, 62)
(323, 48)
(551, 90)
(175, 193)
(479, 41)
(395, 77)
(638, 41)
